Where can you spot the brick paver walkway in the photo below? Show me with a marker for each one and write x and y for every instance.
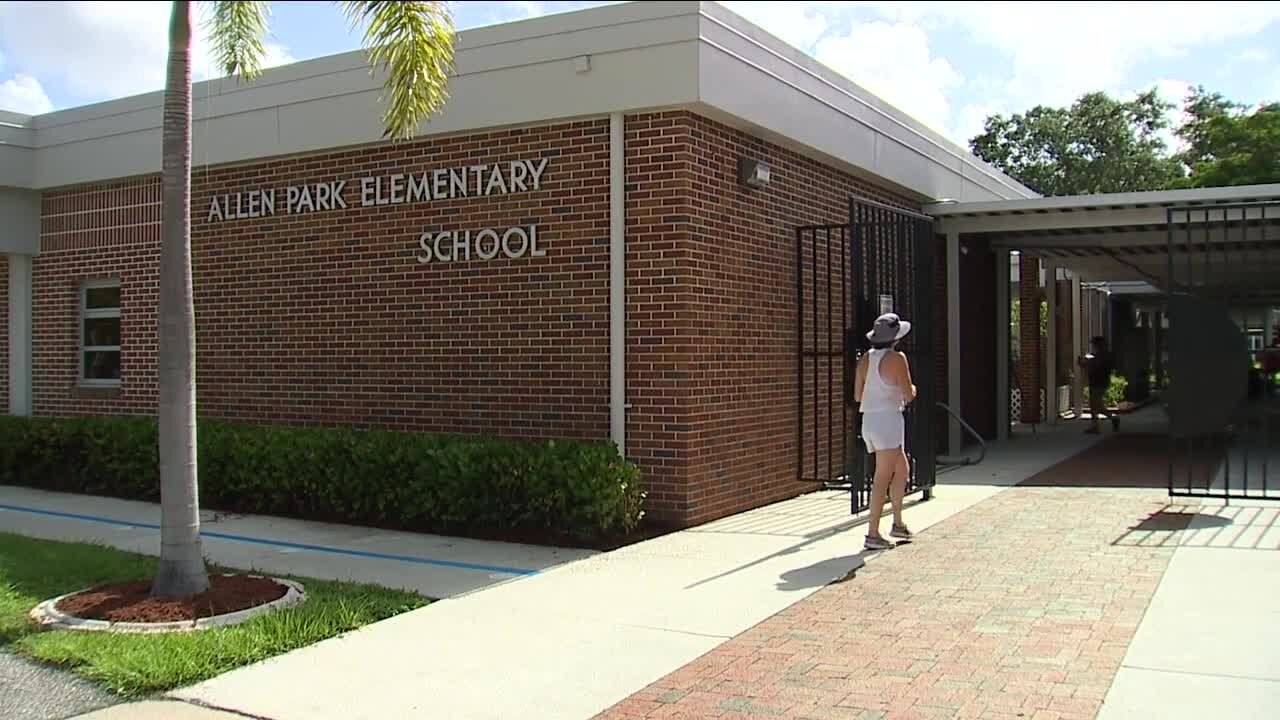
(1020, 607)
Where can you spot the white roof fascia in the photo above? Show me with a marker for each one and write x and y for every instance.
(628, 57)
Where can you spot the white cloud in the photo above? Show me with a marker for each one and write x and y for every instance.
(894, 62)
(1253, 55)
(516, 10)
(1050, 53)
(797, 24)
(120, 48)
(1173, 91)
(1058, 51)
(972, 118)
(23, 94)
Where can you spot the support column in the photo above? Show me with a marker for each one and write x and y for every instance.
(1002, 344)
(954, 438)
(1158, 351)
(1029, 376)
(617, 285)
(1077, 346)
(1051, 345)
(19, 334)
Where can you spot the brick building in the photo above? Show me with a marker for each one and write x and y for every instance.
(469, 280)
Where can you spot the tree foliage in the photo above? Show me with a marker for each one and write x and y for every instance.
(1097, 145)
(410, 42)
(1227, 143)
(1100, 144)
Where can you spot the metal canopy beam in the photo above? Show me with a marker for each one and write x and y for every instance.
(1118, 218)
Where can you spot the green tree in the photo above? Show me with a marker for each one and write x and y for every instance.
(412, 44)
(1097, 145)
(1227, 143)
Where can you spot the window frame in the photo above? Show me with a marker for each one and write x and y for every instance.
(96, 314)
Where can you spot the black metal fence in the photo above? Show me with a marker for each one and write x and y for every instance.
(846, 276)
(894, 253)
(824, 292)
(1223, 395)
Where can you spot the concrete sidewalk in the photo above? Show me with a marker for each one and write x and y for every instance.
(573, 640)
(432, 565)
(583, 632)
(1209, 644)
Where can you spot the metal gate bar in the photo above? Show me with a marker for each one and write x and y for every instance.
(898, 259)
(821, 261)
(882, 250)
(1223, 397)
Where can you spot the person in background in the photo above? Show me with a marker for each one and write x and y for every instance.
(1098, 366)
(882, 388)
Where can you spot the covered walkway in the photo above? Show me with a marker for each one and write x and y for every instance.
(1185, 287)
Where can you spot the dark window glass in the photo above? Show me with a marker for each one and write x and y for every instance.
(101, 331)
(99, 298)
(102, 365)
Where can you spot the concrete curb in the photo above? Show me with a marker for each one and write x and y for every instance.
(49, 617)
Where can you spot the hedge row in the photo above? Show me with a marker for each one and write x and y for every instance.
(423, 482)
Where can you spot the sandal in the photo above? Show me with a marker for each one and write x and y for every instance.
(877, 543)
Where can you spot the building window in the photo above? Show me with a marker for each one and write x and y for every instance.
(100, 333)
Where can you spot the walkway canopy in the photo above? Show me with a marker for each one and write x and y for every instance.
(1208, 260)
(1226, 237)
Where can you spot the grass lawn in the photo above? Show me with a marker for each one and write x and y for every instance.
(133, 665)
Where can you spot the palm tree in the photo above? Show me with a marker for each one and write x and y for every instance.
(412, 44)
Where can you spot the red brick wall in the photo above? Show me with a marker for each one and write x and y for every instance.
(1066, 358)
(4, 334)
(93, 232)
(660, 285)
(742, 391)
(328, 318)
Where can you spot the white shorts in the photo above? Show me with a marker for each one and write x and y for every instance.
(883, 430)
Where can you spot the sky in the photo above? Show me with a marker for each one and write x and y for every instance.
(948, 64)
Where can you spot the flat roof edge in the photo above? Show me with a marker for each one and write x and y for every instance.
(1106, 201)
(242, 122)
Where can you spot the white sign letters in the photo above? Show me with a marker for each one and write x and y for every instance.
(393, 189)
(503, 178)
(451, 246)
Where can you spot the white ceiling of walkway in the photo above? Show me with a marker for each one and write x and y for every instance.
(1210, 237)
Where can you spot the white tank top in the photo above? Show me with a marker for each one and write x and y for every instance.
(878, 395)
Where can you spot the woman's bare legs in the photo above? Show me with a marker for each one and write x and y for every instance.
(898, 486)
(886, 468)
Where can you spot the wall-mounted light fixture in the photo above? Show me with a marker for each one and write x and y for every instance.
(753, 173)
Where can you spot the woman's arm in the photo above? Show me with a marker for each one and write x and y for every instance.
(908, 386)
(859, 379)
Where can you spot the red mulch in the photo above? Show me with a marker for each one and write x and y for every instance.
(132, 601)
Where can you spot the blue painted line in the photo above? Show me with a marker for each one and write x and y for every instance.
(282, 543)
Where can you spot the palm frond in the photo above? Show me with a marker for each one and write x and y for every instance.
(237, 28)
(412, 42)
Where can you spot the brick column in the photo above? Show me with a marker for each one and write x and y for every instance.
(1029, 337)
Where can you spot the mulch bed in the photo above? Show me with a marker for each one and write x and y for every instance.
(132, 601)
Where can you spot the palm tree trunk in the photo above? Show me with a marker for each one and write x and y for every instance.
(181, 570)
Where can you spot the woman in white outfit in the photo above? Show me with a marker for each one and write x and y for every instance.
(882, 388)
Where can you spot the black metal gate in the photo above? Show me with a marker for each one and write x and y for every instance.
(1223, 396)
(882, 260)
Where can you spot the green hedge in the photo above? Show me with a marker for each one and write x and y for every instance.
(423, 482)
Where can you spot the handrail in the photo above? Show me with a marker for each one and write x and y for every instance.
(982, 444)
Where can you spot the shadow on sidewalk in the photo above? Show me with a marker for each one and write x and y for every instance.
(821, 574)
